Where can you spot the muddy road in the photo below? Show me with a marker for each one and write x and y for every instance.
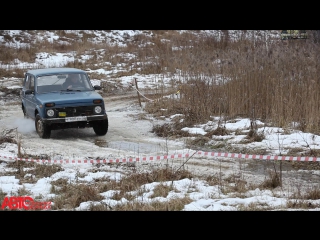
(130, 135)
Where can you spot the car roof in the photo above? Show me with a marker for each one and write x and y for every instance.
(45, 71)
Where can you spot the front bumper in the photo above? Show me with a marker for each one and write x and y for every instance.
(63, 120)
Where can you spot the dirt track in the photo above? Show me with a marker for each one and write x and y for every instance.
(130, 135)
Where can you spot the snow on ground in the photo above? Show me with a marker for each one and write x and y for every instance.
(132, 138)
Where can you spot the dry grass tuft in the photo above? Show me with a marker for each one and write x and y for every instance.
(301, 204)
(239, 79)
(273, 181)
(74, 194)
(70, 195)
(236, 184)
(7, 135)
(254, 136)
(216, 78)
(2, 195)
(45, 170)
(171, 205)
(219, 131)
(23, 192)
(299, 165)
(198, 142)
(168, 130)
(161, 190)
(311, 193)
(255, 207)
(30, 172)
(213, 180)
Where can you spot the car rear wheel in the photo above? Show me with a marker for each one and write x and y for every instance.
(101, 127)
(43, 130)
(24, 112)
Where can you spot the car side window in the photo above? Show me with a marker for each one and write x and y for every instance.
(27, 82)
(32, 83)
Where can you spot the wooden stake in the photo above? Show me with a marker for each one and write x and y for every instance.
(136, 83)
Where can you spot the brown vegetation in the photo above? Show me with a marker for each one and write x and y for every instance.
(263, 78)
(268, 79)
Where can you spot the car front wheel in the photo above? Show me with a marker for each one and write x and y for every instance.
(42, 129)
(24, 112)
(101, 127)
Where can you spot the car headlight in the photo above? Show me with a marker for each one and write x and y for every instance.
(50, 112)
(97, 109)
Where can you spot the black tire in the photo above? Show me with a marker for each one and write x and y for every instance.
(101, 127)
(24, 112)
(43, 130)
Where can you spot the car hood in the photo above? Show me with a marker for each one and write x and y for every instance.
(63, 98)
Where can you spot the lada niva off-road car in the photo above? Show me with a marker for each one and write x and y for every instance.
(60, 98)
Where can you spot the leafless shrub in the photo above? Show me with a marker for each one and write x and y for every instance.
(24, 54)
(30, 172)
(75, 194)
(250, 75)
(213, 180)
(235, 184)
(8, 136)
(261, 81)
(99, 207)
(136, 180)
(313, 193)
(295, 151)
(161, 190)
(301, 204)
(23, 192)
(201, 96)
(218, 145)
(162, 130)
(272, 181)
(12, 72)
(175, 204)
(219, 131)
(44, 170)
(198, 141)
(70, 195)
(255, 207)
(167, 130)
(310, 193)
(305, 165)
(2, 194)
(10, 91)
(312, 153)
(254, 136)
(75, 64)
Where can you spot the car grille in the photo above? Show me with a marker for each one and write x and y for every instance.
(74, 111)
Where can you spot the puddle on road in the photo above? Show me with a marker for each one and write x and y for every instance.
(130, 146)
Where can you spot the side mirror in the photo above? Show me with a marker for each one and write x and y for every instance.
(29, 91)
(97, 87)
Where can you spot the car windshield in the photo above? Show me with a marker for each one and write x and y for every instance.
(63, 82)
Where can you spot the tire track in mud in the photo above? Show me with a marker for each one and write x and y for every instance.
(131, 136)
(127, 134)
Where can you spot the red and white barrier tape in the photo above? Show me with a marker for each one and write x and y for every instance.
(167, 157)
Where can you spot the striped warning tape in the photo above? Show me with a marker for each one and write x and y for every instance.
(257, 157)
(115, 160)
(167, 157)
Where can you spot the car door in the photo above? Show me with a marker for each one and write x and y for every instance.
(29, 99)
